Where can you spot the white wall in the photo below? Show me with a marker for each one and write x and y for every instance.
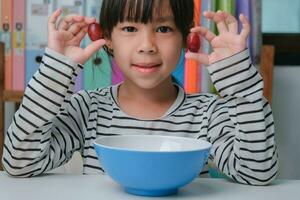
(280, 16)
(286, 111)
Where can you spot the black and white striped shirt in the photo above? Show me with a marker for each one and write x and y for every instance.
(52, 122)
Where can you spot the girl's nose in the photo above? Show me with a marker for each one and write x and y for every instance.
(147, 44)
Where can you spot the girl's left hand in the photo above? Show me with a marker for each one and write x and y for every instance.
(227, 43)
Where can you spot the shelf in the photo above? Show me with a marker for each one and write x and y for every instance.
(13, 96)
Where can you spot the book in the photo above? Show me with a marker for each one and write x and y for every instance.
(18, 44)
(256, 30)
(244, 7)
(206, 83)
(6, 33)
(227, 5)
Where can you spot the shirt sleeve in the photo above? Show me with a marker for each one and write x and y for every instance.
(42, 134)
(241, 126)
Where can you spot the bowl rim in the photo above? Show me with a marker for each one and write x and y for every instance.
(153, 151)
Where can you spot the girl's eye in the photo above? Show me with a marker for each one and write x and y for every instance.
(129, 29)
(164, 29)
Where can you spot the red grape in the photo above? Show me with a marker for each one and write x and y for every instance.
(193, 42)
(94, 31)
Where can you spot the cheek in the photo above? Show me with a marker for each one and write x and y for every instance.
(172, 54)
(121, 50)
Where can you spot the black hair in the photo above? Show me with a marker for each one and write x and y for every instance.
(114, 11)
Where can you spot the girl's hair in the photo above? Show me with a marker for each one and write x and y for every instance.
(114, 11)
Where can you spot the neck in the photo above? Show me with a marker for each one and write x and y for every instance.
(163, 92)
(146, 103)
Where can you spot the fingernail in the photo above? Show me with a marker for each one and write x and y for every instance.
(187, 55)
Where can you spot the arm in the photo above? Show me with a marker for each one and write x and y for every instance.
(35, 141)
(47, 128)
(241, 126)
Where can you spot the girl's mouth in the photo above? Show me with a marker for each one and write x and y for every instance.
(146, 67)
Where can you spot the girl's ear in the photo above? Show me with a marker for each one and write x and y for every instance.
(108, 47)
(108, 43)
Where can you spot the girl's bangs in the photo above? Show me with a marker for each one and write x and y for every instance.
(141, 10)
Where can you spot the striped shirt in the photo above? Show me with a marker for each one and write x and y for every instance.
(52, 122)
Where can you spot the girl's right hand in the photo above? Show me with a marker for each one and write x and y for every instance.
(67, 36)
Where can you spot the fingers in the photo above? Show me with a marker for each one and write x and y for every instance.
(205, 32)
(76, 28)
(75, 23)
(226, 22)
(63, 24)
(199, 57)
(69, 20)
(218, 18)
(52, 20)
(94, 47)
(80, 35)
(231, 22)
(245, 26)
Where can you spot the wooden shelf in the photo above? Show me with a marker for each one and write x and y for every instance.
(13, 96)
(287, 47)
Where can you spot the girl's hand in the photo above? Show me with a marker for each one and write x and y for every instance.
(65, 38)
(227, 43)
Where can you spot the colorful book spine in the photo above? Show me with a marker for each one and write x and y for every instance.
(226, 5)
(256, 30)
(18, 41)
(244, 7)
(205, 80)
(7, 16)
(192, 71)
(0, 19)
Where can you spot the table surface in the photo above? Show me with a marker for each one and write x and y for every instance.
(68, 186)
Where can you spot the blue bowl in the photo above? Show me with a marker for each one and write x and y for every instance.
(152, 165)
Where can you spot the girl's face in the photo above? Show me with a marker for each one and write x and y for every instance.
(147, 53)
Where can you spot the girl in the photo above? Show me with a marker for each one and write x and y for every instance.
(145, 38)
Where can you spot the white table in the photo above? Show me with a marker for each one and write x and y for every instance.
(97, 187)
